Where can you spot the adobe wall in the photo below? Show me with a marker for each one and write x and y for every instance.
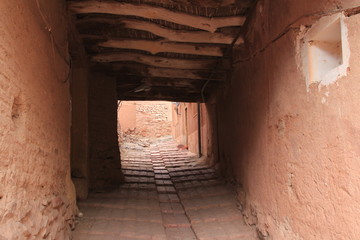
(185, 116)
(79, 90)
(126, 117)
(293, 152)
(149, 119)
(185, 125)
(209, 146)
(37, 198)
(104, 162)
(177, 125)
(79, 130)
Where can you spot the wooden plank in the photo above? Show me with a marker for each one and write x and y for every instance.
(148, 97)
(147, 11)
(153, 72)
(155, 47)
(243, 4)
(161, 61)
(126, 80)
(160, 93)
(169, 34)
(174, 83)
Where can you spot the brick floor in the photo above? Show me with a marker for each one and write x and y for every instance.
(168, 195)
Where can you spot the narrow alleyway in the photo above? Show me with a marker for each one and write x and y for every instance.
(168, 194)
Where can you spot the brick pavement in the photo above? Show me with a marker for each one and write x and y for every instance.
(167, 195)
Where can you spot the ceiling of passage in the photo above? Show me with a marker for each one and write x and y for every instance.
(175, 50)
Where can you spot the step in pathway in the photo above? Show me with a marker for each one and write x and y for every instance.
(168, 194)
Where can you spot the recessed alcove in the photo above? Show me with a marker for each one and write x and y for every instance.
(325, 51)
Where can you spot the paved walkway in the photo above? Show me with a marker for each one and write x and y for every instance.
(167, 195)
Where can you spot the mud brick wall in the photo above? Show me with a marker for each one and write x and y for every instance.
(145, 118)
(37, 198)
(79, 129)
(185, 128)
(293, 150)
(104, 163)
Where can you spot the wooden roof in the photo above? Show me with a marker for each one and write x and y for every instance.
(161, 50)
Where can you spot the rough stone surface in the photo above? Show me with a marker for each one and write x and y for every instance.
(294, 153)
(37, 199)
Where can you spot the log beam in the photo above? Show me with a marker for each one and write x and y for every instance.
(147, 11)
(155, 47)
(160, 61)
(169, 34)
(154, 72)
(160, 97)
(159, 93)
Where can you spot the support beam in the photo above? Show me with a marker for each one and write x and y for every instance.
(155, 47)
(176, 83)
(147, 11)
(243, 4)
(160, 93)
(161, 61)
(154, 72)
(169, 34)
(126, 80)
(194, 98)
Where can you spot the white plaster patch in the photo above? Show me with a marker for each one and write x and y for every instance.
(325, 51)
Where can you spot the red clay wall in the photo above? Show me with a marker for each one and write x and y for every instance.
(185, 128)
(185, 125)
(126, 117)
(293, 152)
(209, 147)
(37, 198)
(104, 163)
(79, 129)
(145, 118)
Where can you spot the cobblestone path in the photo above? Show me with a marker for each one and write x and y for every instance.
(167, 195)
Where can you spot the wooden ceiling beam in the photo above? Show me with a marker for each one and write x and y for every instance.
(159, 93)
(146, 71)
(155, 47)
(151, 12)
(167, 33)
(160, 61)
(175, 83)
(243, 4)
(154, 72)
(190, 99)
(126, 80)
(134, 86)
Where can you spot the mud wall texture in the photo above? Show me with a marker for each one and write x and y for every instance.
(185, 128)
(294, 151)
(79, 130)
(208, 123)
(104, 163)
(149, 119)
(37, 199)
(185, 125)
